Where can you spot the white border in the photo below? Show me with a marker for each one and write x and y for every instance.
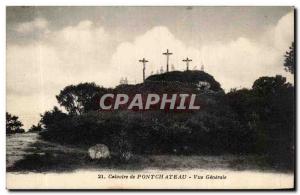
(156, 2)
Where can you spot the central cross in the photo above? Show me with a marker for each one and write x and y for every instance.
(187, 60)
(167, 54)
(144, 61)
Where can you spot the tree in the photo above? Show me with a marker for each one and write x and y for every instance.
(269, 85)
(289, 61)
(36, 128)
(268, 112)
(81, 98)
(50, 118)
(275, 108)
(13, 125)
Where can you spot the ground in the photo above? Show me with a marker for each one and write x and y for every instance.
(27, 153)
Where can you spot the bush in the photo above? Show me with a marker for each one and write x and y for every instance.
(36, 128)
(268, 112)
(153, 132)
(258, 120)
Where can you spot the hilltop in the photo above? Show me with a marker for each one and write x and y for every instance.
(191, 76)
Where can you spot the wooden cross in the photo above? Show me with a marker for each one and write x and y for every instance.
(187, 60)
(167, 54)
(144, 61)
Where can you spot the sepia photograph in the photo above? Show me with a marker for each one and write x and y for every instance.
(150, 97)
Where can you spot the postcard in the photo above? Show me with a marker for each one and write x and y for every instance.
(172, 97)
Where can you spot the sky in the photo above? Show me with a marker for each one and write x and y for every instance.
(49, 48)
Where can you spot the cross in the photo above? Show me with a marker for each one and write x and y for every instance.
(144, 61)
(167, 54)
(187, 60)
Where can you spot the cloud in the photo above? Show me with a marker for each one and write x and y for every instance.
(70, 55)
(38, 24)
(85, 52)
(284, 32)
(237, 63)
(82, 45)
(240, 62)
(37, 71)
(151, 45)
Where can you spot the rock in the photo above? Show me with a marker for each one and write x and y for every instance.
(99, 151)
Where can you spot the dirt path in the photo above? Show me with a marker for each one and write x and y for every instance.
(18, 146)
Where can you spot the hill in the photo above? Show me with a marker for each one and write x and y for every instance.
(191, 76)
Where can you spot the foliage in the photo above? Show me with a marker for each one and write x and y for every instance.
(268, 111)
(81, 98)
(13, 125)
(259, 120)
(289, 61)
(36, 128)
(50, 118)
(153, 132)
